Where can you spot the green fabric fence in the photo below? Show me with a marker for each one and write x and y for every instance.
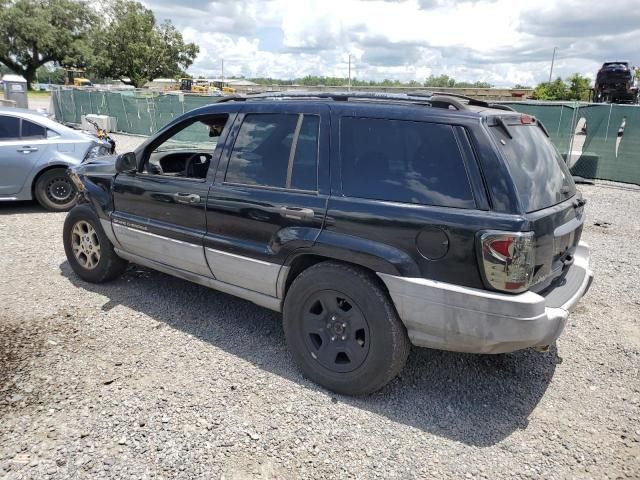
(136, 112)
(607, 149)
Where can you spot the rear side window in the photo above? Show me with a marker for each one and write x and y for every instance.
(403, 161)
(32, 130)
(276, 150)
(539, 173)
(9, 127)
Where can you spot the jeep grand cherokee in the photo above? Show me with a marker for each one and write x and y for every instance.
(372, 222)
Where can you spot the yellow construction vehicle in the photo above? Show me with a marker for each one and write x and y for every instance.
(82, 82)
(197, 85)
(74, 76)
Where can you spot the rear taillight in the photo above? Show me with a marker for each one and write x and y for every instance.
(507, 259)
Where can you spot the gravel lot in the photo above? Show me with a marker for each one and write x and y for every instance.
(151, 376)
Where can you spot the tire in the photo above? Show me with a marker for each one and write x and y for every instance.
(89, 251)
(55, 191)
(343, 330)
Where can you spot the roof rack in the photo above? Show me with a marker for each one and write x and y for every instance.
(431, 99)
(341, 96)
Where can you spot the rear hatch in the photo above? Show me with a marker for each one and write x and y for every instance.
(547, 194)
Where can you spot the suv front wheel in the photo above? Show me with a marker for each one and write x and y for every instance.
(89, 251)
(343, 329)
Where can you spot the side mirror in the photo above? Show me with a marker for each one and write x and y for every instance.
(126, 163)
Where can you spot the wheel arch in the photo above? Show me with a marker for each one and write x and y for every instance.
(371, 256)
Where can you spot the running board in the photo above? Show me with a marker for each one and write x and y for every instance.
(260, 299)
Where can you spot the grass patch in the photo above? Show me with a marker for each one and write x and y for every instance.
(38, 94)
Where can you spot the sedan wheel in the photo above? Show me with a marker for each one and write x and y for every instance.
(60, 190)
(55, 191)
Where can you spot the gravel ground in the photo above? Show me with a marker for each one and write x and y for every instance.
(151, 376)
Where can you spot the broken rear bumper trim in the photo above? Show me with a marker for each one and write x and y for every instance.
(450, 317)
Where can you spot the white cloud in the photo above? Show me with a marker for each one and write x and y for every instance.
(500, 41)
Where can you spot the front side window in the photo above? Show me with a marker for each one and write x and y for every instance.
(188, 152)
(9, 127)
(403, 161)
(276, 150)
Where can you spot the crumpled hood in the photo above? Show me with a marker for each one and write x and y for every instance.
(105, 165)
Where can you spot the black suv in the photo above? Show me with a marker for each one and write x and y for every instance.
(372, 222)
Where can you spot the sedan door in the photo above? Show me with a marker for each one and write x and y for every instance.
(22, 144)
(159, 212)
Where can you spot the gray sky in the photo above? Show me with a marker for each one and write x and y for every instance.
(503, 42)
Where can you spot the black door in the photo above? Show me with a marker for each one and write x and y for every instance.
(159, 213)
(270, 193)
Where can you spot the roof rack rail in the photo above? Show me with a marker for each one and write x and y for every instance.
(471, 100)
(432, 99)
(342, 96)
(442, 101)
(232, 98)
(501, 106)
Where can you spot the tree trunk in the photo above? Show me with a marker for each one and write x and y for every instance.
(29, 75)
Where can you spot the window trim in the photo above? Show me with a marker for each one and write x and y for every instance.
(292, 154)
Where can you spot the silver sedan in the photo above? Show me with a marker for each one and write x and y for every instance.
(35, 152)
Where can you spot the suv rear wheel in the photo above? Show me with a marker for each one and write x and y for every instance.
(89, 251)
(343, 329)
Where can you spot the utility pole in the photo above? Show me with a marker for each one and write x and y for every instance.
(349, 72)
(222, 75)
(553, 58)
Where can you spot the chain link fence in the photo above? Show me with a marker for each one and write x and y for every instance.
(599, 141)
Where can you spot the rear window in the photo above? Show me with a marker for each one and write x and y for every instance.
(403, 161)
(32, 130)
(541, 176)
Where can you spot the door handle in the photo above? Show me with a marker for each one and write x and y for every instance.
(297, 213)
(188, 198)
(27, 149)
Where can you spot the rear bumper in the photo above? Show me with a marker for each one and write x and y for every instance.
(450, 317)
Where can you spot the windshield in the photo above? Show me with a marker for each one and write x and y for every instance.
(541, 176)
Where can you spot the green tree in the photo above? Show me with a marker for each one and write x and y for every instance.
(578, 87)
(477, 84)
(440, 81)
(36, 32)
(47, 74)
(131, 44)
(556, 90)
